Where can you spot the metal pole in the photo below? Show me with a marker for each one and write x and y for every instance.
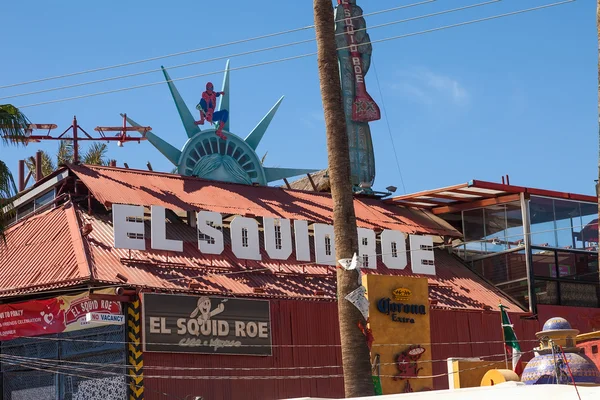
(38, 166)
(21, 175)
(528, 255)
(503, 338)
(75, 143)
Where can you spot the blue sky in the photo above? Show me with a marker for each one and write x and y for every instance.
(516, 95)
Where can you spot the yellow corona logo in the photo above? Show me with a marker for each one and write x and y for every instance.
(401, 294)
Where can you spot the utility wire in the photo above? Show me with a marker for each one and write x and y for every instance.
(303, 55)
(34, 339)
(250, 51)
(217, 46)
(47, 366)
(387, 120)
(69, 363)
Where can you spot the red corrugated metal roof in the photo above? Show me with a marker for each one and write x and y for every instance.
(48, 249)
(45, 249)
(111, 185)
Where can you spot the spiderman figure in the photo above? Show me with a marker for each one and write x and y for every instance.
(207, 106)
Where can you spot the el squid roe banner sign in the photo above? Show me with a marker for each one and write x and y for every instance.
(50, 316)
(208, 325)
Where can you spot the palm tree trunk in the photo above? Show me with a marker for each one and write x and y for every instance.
(355, 353)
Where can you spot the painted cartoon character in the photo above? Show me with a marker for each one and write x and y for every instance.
(406, 362)
(203, 310)
(207, 106)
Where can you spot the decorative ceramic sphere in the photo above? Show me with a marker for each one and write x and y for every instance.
(541, 370)
(555, 324)
(549, 367)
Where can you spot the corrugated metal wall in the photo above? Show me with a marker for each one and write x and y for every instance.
(450, 327)
(292, 322)
(305, 323)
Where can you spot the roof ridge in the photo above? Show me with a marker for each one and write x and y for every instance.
(81, 253)
(75, 168)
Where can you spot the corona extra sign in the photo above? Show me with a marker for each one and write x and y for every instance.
(128, 225)
(401, 328)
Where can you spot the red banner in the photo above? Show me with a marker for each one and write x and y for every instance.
(43, 317)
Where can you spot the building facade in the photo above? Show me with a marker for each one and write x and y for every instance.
(70, 242)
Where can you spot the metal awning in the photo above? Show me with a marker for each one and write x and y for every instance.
(475, 194)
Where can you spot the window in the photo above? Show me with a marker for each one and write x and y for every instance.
(365, 260)
(44, 199)
(394, 250)
(244, 237)
(25, 210)
(135, 235)
(134, 219)
(328, 245)
(278, 244)
(365, 241)
(595, 349)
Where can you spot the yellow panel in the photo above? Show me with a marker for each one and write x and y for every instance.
(469, 373)
(399, 318)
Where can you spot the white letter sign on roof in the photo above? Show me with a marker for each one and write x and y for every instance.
(278, 238)
(421, 255)
(210, 239)
(128, 225)
(393, 249)
(244, 238)
(159, 239)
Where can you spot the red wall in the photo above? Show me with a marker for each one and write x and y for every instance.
(583, 318)
(309, 323)
(451, 327)
(587, 346)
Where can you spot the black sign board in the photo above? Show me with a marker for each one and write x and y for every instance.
(208, 325)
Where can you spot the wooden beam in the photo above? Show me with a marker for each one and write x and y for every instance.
(312, 183)
(478, 194)
(407, 203)
(448, 197)
(426, 193)
(430, 201)
(476, 204)
(287, 184)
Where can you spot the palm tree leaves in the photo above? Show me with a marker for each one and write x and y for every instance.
(12, 124)
(48, 166)
(96, 154)
(12, 130)
(65, 152)
(8, 190)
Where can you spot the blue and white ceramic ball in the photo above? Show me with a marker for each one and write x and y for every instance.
(555, 324)
(540, 370)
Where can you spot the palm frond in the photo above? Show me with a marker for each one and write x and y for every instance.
(48, 166)
(96, 154)
(12, 124)
(8, 190)
(262, 160)
(65, 152)
(7, 185)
